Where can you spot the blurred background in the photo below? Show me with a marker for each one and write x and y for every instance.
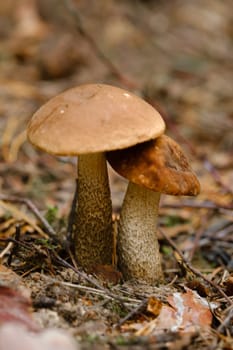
(176, 54)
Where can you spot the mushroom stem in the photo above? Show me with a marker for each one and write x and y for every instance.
(92, 229)
(138, 248)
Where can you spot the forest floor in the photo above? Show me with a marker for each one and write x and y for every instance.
(178, 56)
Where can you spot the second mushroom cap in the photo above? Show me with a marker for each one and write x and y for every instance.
(159, 165)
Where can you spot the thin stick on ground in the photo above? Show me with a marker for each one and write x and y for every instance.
(71, 218)
(81, 274)
(199, 233)
(227, 320)
(90, 280)
(132, 313)
(194, 270)
(196, 205)
(35, 211)
(6, 250)
(15, 247)
(91, 290)
(99, 53)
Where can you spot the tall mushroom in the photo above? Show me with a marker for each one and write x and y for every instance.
(86, 121)
(153, 167)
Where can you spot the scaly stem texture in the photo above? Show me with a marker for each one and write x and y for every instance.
(138, 248)
(92, 229)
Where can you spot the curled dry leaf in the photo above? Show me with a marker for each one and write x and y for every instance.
(107, 273)
(228, 284)
(184, 312)
(154, 306)
(187, 311)
(199, 287)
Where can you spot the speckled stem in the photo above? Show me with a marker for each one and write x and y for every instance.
(92, 229)
(138, 248)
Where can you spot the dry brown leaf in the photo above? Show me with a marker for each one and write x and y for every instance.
(185, 312)
(15, 301)
(197, 285)
(154, 306)
(15, 308)
(228, 285)
(107, 273)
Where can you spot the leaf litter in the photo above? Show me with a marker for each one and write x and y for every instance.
(179, 63)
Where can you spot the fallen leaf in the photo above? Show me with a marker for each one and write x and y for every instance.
(154, 306)
(198, 286)
(107, 273)
(228, 285)
(184, 312)
(15, 301)
(16, 308)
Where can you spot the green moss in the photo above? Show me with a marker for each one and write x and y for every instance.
(51, 214)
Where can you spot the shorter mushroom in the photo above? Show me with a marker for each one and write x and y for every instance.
(153, 167)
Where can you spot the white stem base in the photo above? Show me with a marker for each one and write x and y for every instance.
(138, 248)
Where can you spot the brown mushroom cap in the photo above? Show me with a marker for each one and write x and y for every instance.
(159, 165)
(93, 118)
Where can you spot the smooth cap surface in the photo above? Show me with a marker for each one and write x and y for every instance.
(159, 165)
(93, 118)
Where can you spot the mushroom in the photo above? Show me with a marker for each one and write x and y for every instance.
(153, 167)
(87, 121)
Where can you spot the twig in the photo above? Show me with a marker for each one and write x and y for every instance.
(6, 250)
(135, 311)
(215, 174)
(90, 290)
(194, 270)
(35, 211)
(199, 233)
(71, 217)
(226, 321)
(195, 205)
(82, 31)
(15, 247)
(81, 274)
(90, 280)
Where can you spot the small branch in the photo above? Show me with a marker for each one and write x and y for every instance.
(6, 250)
(90, 280)
(195, 205)
(215, 174)
(15, 246)
(132, 313)
(194, 270)
(71, 218)
(199, 233)
(82, 31)
(35, 211)
(226, 321)
(88, 289)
